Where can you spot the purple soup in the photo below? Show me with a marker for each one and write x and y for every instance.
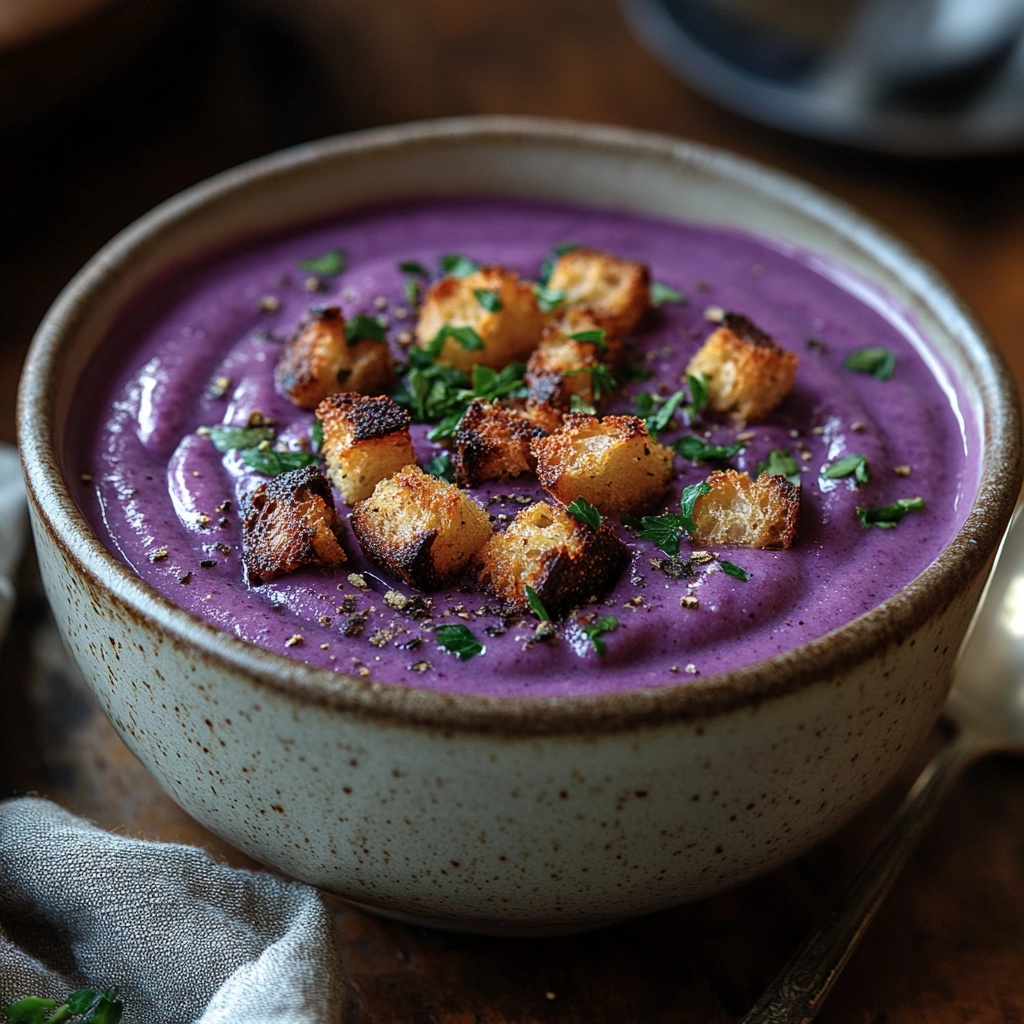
(201, 349)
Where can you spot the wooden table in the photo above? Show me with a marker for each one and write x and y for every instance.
(232, 80)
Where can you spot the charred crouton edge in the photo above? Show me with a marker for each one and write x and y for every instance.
(560, 367)
(759, 513)
(365, 440)
(747, 371)
(615, 291)
(420, 528)
(319, 360)
(565, 561)
(613, 462)
(289, 521)
(509, 325)
(492, 442)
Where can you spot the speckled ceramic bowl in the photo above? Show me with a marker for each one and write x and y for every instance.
(509, 815)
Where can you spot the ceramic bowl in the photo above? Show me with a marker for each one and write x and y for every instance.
(509, 816)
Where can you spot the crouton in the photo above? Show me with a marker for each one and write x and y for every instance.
(496, 313)
(319, 360)
(420, 528)
(492, 442)
(747, 371)
(289, 521)
(613, 462)
(565, 561)
(616, 291)
(759, 513)
(365, 439)
(562, 366)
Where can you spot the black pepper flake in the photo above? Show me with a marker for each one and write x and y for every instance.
(355, 624)
(816, 345)
(348, 604)
(186, 579)
(224, 506)
(409, 645)
(674, 568)
(207, 563)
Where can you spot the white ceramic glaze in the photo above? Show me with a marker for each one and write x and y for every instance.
(509, 816)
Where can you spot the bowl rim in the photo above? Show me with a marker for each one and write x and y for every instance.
(693, 699)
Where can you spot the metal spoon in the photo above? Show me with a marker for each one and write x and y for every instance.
(987, 707)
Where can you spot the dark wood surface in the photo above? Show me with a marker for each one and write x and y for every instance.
(224, 82)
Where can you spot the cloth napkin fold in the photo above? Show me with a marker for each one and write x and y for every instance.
(187, 940)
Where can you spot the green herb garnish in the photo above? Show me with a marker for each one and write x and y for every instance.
(549, 262)
(548, 299)
(780, 463)
(229, 439)
(489, 299)
(662, 294)
(879, 362)
(659, 418)
(586, 513)
(441, 466)
(602, 380)
(458, 640)
(364, 328)
(696, 449)
(457, 265)
(849, 465)
(732, 569)
(316, 434)
(465, 336)
(272, 462)
(533, 599)
(412, 271)
(888, 516)
(595, 337)
(667, 530)
(326, 265)
(576, 404)
(84, 1006)
(594, 632)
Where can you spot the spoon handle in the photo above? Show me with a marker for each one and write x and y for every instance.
(797, 993)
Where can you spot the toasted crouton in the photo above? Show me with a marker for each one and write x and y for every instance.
(562, 366)
(499, 310)
(747, 371)
(318, 360)
(289, 521)
(492, 442)
(365, 439)
(616, 291)
(613, 462)
(420, 528)
(759, 513)
(565, 561)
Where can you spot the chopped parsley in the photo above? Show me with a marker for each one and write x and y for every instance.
(273, 462)
(696, 449)
(229, 439)
(732, 569)
(364, 328)
(441, 466)
(879, 362)
(489, 299)
(586, 513)
(662, 294)
(594, 632)
(595, 337)
(458, 640)
(667, 530)
(602, 380)
(780, 462)
(457, 265)
(84, 1006)
(413, 271)
(548, 299)
(411, 267)
(316, 434)
(465, 336)
(533, 599)
(576, 404)
(548, 265)
(326, 265)
(888, 516)
(849, 465)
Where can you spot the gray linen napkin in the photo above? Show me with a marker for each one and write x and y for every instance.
(184, 938)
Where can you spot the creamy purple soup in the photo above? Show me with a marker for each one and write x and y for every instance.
(201, 349)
